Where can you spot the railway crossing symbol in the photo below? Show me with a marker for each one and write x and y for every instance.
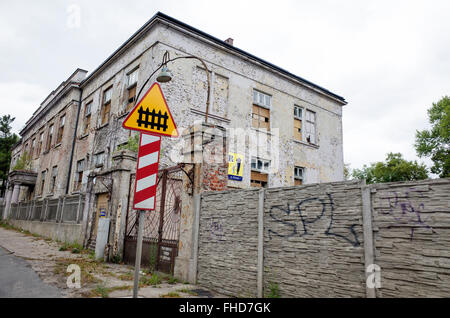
(152, 118)
(152, 115)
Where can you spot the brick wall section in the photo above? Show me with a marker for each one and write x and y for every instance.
(412, 238)
(313, 240)
(228, 242)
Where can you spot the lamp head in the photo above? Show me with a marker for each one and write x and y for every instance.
(165, 75)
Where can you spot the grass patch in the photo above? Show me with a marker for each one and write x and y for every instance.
(88, 269)
(274, 290)
(153, 280)
(188, 291)
(127, 276)
(172, 280)
(100, 291)
(75, 248)
(170, 295)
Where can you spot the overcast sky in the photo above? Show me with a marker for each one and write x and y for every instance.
(389, 59)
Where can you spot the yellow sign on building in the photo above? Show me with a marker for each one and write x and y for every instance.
(235, 166)
(152, 115)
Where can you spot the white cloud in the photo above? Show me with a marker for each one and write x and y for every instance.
(389, 59)
(20, 100)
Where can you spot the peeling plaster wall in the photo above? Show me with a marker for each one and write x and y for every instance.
(233, 80)
(59, 153)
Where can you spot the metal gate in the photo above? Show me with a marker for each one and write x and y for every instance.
(162, 226)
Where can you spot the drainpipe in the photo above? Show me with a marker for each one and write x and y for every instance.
(73, 143)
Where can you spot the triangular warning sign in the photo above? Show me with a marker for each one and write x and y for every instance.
(152, 115)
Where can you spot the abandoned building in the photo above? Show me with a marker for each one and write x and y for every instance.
(78, 164)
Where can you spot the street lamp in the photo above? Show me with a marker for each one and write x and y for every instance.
(166, 76)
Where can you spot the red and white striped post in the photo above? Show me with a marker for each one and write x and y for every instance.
(147, 172)
(145, 191)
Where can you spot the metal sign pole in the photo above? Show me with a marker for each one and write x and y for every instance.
(137, 266)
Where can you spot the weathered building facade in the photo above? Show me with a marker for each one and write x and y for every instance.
(77, 143)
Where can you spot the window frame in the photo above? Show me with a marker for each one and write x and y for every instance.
(309, 123)
(49, 137)
(97, 156)
(299, 177)
(106, 103)
(79, 175)
(42, 185)
(87, 118)
(263, 164)
(53, 179)
(61, 124)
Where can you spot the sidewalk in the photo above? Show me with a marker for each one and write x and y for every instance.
(50, 260)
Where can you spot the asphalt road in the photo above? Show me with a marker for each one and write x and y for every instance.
(19, 280)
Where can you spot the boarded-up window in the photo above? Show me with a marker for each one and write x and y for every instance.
(260, 117)
(62, 121)
(106, 106)
(259, 173)
(261, 110)
(258, 179)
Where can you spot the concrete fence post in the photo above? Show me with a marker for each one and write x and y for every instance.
(369, 249)
(77, 220)
(260, 277)
(195, 237)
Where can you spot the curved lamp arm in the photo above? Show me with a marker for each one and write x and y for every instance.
(166, 59)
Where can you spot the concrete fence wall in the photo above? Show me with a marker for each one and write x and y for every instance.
(318, 240)
(59, 219)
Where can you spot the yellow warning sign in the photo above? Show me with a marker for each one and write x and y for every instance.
(152, 115)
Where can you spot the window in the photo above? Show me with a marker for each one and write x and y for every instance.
(298, 175)
(259, 173)
(99, 159)
(49, 137)
(33, 147)
(62, 120)
(53, 180)
(106, 106)
(87, 118)
(132, 79)
(262, 99)
(310, 127)
(42, 182)
(261, 110)
(79, 175)
(41, 143)
(298, 117)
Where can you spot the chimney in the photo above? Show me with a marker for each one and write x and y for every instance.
(229, 41)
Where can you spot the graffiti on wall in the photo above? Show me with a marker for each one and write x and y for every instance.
(304, 223)
(406, 212)
(216, 230)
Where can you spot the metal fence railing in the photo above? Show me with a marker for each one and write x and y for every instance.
(68, 209)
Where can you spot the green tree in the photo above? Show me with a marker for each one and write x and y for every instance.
(394, 168)
(435, 143)
(7, 141)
